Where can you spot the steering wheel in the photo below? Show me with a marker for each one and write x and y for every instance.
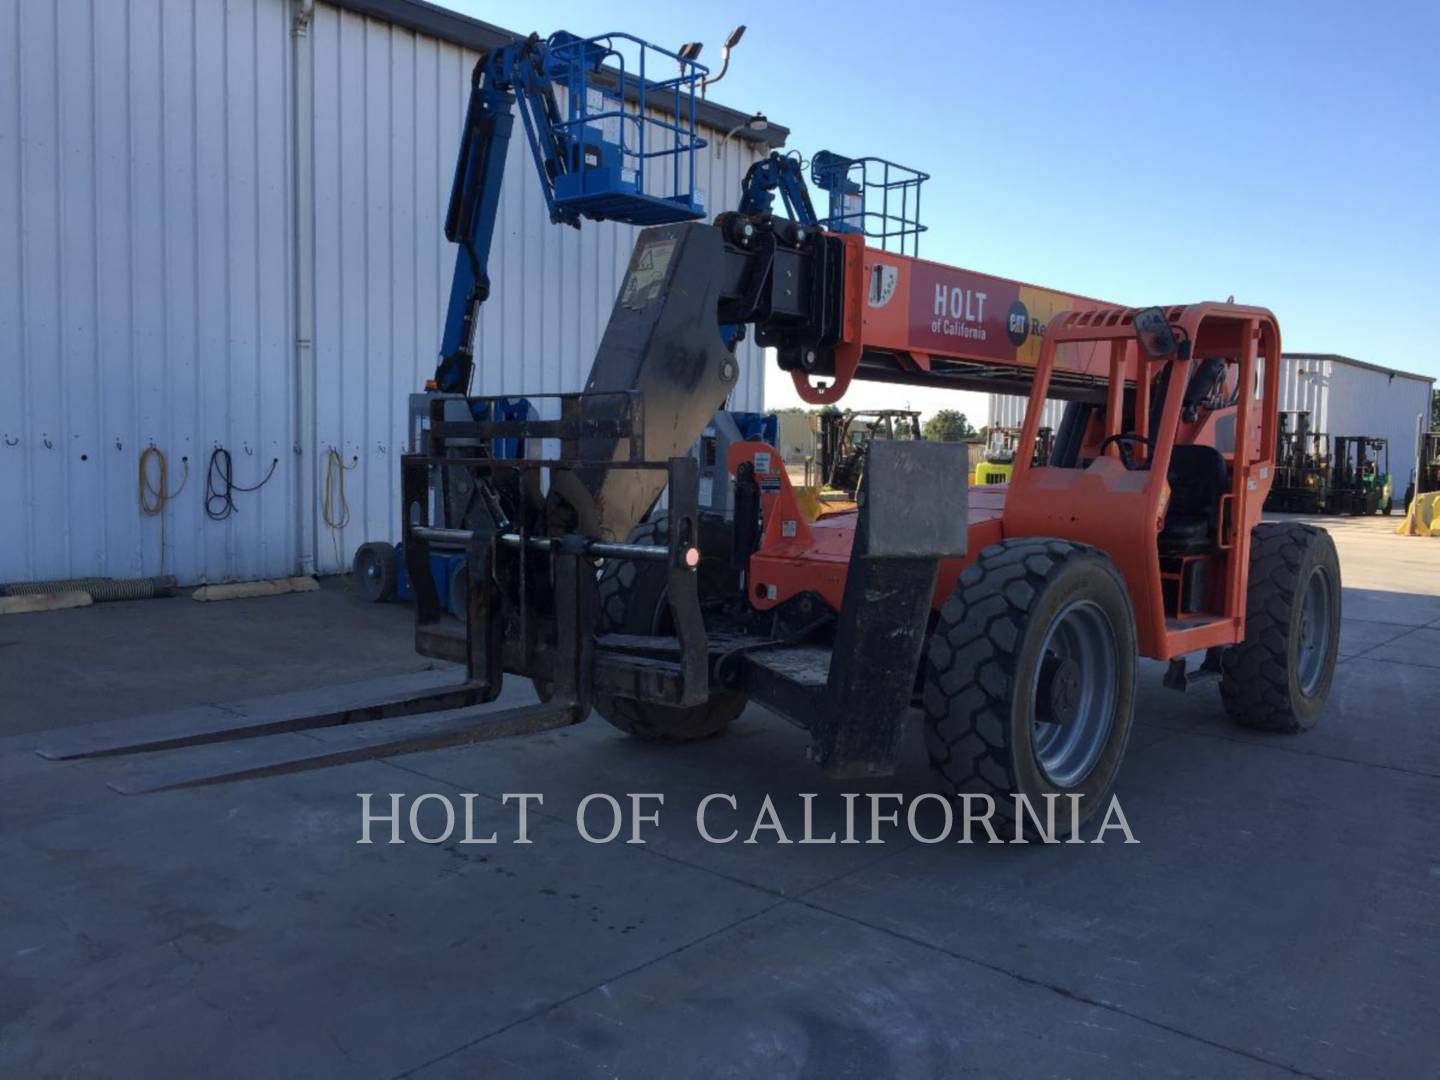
(1126, 440)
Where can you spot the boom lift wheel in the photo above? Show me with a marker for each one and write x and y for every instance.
(634, 600)
(1029, 678)
(372, 572)
(1277, 679)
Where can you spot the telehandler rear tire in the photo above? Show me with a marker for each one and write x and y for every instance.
(1029, 678)
(634, 600)
(1278, 678)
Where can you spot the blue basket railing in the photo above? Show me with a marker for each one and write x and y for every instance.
(632, 135)
(871, 196)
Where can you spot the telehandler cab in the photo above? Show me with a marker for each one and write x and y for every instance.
(1014, 617)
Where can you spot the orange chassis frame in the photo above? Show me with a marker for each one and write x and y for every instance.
(1119, 511)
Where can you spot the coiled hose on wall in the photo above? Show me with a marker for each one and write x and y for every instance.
(154, 497)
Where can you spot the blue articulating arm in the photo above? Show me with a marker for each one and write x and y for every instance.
(470, 219)
(778, 172)
(584, 172)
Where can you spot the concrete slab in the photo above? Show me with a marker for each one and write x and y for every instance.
(1171, 710)
(241, 931)
(143, 656)
(1279, 911)
(760, 755)
(796, 992)
(1280, 906)
(1420, 646)
(1373, 557)
(1359, 635)
(1386, 606)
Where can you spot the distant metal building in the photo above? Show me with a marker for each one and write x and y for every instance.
(1351, 397)
(1008, 410)
(221, 226)
(1343, 396)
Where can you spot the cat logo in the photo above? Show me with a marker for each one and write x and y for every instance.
(1017, 324)
(882, 284)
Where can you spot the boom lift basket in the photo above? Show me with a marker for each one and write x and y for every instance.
(873, 197)
(631, 142)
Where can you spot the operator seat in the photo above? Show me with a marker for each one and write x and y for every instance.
(1198, 477)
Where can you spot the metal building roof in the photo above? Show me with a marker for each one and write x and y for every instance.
(1365, 364)
(452, 26)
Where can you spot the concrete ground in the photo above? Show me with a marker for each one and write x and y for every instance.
(1280, 915)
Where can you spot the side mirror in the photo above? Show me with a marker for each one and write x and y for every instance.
(1154, 333)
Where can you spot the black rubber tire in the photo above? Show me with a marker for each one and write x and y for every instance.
(1389, 505)
(456, 600)
(373, 572)
(632, 594)
(982, 660)
(1260, 681)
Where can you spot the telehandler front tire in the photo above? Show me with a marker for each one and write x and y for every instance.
(1278, 678)
(634, 600)
(1029, 678)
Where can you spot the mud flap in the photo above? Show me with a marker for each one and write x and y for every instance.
(912, 513)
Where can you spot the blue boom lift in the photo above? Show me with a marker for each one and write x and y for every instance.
(620, 148)
(596, 158)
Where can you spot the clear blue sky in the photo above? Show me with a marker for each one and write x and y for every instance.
(1284, 152)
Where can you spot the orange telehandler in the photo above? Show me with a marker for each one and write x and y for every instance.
(1013, 617)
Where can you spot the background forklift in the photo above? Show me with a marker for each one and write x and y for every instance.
(1360, 476)
(1422, 507)
(1013, 617)
(997, 460)
(1302, 467)
(1426, 478)
(842, 443)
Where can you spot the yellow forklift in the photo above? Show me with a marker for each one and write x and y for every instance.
(997, 460)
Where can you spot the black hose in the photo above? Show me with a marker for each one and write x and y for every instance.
(220, 487)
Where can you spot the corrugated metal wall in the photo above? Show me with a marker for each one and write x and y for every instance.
(146, 156)
(1008, 410)
(144, 286)
(1346, 399)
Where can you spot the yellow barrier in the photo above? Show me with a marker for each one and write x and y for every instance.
(1423, 518)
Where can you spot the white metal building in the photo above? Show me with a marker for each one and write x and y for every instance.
(1342, 395)
(221, 224)
(1352, 397)
(1008, 410)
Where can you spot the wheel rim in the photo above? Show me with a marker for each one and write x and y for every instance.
(1074, 693)
(1314, 644)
